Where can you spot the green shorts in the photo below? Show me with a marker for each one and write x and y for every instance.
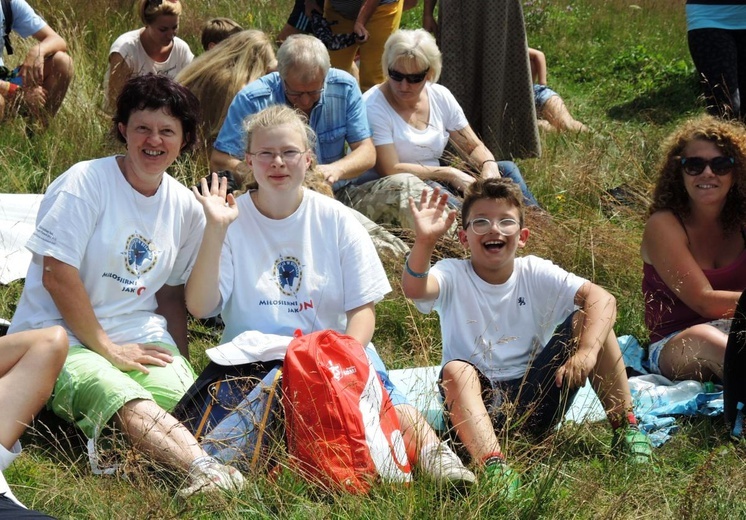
(90, 390)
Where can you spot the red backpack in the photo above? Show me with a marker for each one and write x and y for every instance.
(341, 427)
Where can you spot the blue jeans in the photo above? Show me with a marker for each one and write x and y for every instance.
(508, 169)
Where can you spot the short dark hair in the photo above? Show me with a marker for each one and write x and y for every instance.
(216, 30)
(493, 188)
(155, 92)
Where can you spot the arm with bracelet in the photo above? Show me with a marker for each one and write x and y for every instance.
(429, 225)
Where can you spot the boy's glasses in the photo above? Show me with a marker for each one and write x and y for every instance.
(288, 156)
(411, 78)
(696, 165)
(506, 226)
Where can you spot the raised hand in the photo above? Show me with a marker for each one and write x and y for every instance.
(433, 218)
(219, 205)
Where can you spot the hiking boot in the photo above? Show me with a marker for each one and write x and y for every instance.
(630, 442)
(501, 477)
(441, 464)
(208, 475)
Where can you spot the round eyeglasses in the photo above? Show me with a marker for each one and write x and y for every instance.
(506, 226)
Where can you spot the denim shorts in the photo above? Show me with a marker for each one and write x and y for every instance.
(655, 349)
(542, 93)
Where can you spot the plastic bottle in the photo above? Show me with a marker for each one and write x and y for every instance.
(653, 391)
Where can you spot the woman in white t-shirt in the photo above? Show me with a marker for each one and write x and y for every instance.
(115, 240)
(290, 258)
(153, 48)
(413, 119)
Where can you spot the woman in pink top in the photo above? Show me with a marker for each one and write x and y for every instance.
(694, 249)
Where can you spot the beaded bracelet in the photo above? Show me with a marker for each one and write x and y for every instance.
(412, 273)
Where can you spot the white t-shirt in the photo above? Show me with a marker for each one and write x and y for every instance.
(301, 272)
(6, 457)
(126, 247)
(415, 146)
(131, 49)
(499, 328)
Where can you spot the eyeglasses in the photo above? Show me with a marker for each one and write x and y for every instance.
(301, 93)
(506, 226)
(288, 156)
(411, 78)
(696, 165)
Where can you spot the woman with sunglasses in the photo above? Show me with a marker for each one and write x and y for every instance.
(413, 119)
(694, 249)
(153, 48)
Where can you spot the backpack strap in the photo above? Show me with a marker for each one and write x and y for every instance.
(8, 16)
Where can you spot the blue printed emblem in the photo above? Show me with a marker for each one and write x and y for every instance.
(140, 257)
(288, 275)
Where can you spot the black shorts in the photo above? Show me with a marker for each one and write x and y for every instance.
(533, 403)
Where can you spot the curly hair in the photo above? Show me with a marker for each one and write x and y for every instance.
(670, 192)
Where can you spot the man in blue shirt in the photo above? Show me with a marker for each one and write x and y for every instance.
(40, 83)
(330, 98)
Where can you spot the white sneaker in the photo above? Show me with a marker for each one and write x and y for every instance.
(440, 463)
(208, 475)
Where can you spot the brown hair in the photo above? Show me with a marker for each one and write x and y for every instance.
(150, 10)
(670, 193)
(216, 30)
(493, 188)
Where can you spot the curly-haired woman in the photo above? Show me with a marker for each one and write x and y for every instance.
(694, 248)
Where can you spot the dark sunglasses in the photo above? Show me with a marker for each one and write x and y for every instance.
(696, 165)
(411, 78)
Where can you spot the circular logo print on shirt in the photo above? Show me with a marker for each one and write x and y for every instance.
(140, 257)
(288, 275)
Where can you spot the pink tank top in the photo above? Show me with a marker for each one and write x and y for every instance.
(666, 313)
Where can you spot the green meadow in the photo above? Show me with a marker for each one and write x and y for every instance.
(624, 70)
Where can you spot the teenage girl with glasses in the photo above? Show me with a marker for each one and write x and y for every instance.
(694, 249)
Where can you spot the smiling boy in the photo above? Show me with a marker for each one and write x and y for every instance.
(519, 331)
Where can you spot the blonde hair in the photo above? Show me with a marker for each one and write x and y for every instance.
(150, 10)
(216, 76)
(280, 115)
(417, 45)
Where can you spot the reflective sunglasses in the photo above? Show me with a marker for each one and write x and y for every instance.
(288, 156)
(506, 226)
(696, 165)
(411, 78)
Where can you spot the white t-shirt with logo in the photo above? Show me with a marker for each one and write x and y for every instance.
(499, 328)
(129, 46)
(301, 272)
(125, 245)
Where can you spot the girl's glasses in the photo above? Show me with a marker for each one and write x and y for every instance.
(287, 156)
(696, 165)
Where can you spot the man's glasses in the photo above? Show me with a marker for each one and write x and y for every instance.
(411, 78)
(696, 165)
(506, 226)
(288, 156)
(300, 93)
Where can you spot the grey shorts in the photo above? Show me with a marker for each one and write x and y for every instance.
(655, 349)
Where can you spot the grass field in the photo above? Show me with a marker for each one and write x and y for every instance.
(623, 68)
